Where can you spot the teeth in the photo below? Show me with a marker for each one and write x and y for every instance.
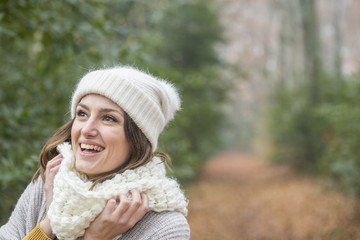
(91, 147)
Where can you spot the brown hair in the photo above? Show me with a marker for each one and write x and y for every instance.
(140, 150)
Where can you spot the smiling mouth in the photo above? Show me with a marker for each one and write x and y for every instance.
(90, 148)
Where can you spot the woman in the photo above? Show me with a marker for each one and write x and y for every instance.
(100, 177)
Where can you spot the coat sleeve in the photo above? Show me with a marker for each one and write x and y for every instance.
(36, 234)
(160, 226)
(29, 210)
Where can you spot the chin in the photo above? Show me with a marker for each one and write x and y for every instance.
(84, 169)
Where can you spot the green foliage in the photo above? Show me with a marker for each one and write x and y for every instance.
(183, 46)
(321, 138)
(295, 127)
(190, 36)
(196, 132)
(47, 45)
(341, 158)
(42, 49)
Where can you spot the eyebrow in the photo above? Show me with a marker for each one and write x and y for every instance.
(102, 110)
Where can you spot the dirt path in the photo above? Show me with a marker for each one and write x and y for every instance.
(239, 197)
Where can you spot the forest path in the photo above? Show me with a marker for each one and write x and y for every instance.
(240, 197)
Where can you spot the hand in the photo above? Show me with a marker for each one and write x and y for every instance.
(52, 167)
(118, 216)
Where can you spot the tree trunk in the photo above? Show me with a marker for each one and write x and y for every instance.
(312, 50)
(338, 9)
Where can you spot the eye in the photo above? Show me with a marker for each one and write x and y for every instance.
(110, 118)
(81, 114)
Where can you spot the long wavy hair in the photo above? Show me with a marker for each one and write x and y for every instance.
(140, 150)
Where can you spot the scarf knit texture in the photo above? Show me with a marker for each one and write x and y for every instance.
(74, 206)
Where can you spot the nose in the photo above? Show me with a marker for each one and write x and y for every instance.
(90, 129)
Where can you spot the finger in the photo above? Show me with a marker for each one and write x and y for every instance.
(134, 205)
(145, 201)
(52, 169)
(122, 206)
(57, 157)
(106, 213)
(136, 198)
(56, 161)
(136, 212)
(110, 206)
(136, 201)
(142, 209)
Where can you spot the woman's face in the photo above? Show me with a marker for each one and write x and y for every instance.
(97, 135)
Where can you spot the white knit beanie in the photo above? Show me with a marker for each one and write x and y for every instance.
(150, 102)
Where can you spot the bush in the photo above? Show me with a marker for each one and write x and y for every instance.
(321, 138)
(341, 158)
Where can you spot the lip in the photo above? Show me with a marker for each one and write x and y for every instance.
(88, 154)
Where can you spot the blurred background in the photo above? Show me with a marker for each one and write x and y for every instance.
(262, 81)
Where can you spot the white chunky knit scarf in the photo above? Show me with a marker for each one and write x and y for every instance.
(74, 206)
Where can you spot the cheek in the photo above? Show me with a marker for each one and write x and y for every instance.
(75, 130)
(74, 135)
(120, 147)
